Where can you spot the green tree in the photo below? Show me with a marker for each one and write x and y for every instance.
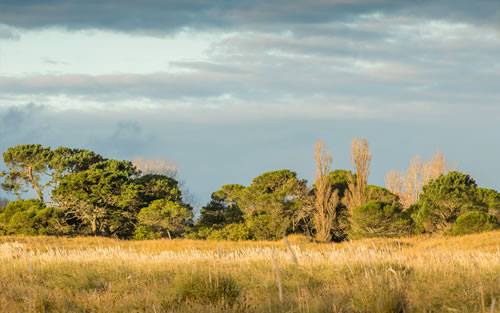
(474, 222)
(29, 217)
(66, 160)
(223, 207)
(491, 199)
(163, 218)
(379, 219)
(26, 165)
(103, 198)
(444, 199)
(157, 187)
(272, 203)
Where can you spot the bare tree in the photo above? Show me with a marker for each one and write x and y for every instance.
(159, 166)
(326, 199)
(409, 186)
(357, 193)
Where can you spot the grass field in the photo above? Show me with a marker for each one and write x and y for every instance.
(419, 274)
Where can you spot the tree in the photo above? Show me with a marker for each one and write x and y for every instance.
(491, 199)
(26, 164)
(357, 193)
(474, 222)
(66, 160)
(162, 167)
(379, 219)
(272, 202)
(29, 217)
(157, 187)
(444, 199)
(326, 199)
(163, 218)
(408, 187)
(223, 208)
(103, 198)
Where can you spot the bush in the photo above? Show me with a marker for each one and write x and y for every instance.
(378, 219)
(474, 222)
(28, 217)
(206, 288)
(231, 232)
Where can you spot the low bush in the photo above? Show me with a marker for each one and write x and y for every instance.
(379, 219)
(474, 222)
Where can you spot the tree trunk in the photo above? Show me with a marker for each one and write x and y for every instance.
(35, 185)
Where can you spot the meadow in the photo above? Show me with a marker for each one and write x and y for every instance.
(408, 274)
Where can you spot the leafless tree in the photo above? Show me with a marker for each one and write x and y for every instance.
(326, 199)
(159, 166)
(357, 193)
(409, 186)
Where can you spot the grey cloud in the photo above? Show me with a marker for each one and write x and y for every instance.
(156, 16)
(8, 33)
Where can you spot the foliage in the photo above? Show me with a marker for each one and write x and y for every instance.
(223, 207)
(474, 222)
(271, 203)
(233, 232)
(102, 198)
(444, 199)
(162, 218)
(491, 199)
(379, 219)
(156, 187)
(377, 193)
(29, 217)
(26, 165)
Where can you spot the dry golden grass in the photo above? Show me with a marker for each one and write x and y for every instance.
(417, 274)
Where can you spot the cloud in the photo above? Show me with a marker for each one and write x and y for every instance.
(8, 33)
(155, 16)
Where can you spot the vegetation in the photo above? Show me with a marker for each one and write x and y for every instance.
(390, 275)
(79, 192)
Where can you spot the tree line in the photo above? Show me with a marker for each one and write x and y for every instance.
(79, 192)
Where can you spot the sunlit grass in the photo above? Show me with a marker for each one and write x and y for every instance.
(415, 274)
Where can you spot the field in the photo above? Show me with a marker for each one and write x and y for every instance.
(418, 274)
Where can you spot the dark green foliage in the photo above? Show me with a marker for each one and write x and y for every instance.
(156, 187)
(272, 202)
(339, 179)
(377, 193)
(444, 199)
(163, 218)
(29, 217)
(103, 198)
(67, 160)
(491, 199)
(474, 222)
(379, 219)
(223, 208)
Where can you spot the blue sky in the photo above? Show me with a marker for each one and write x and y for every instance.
(229, 89)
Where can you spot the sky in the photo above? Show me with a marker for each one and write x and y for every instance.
(230, 89)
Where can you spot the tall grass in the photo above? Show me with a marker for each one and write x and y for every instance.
(438, 274)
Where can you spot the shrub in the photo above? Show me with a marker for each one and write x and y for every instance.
(28, 217)
(231, 232)
(206, 288)
(474, 222)
(377, 219)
